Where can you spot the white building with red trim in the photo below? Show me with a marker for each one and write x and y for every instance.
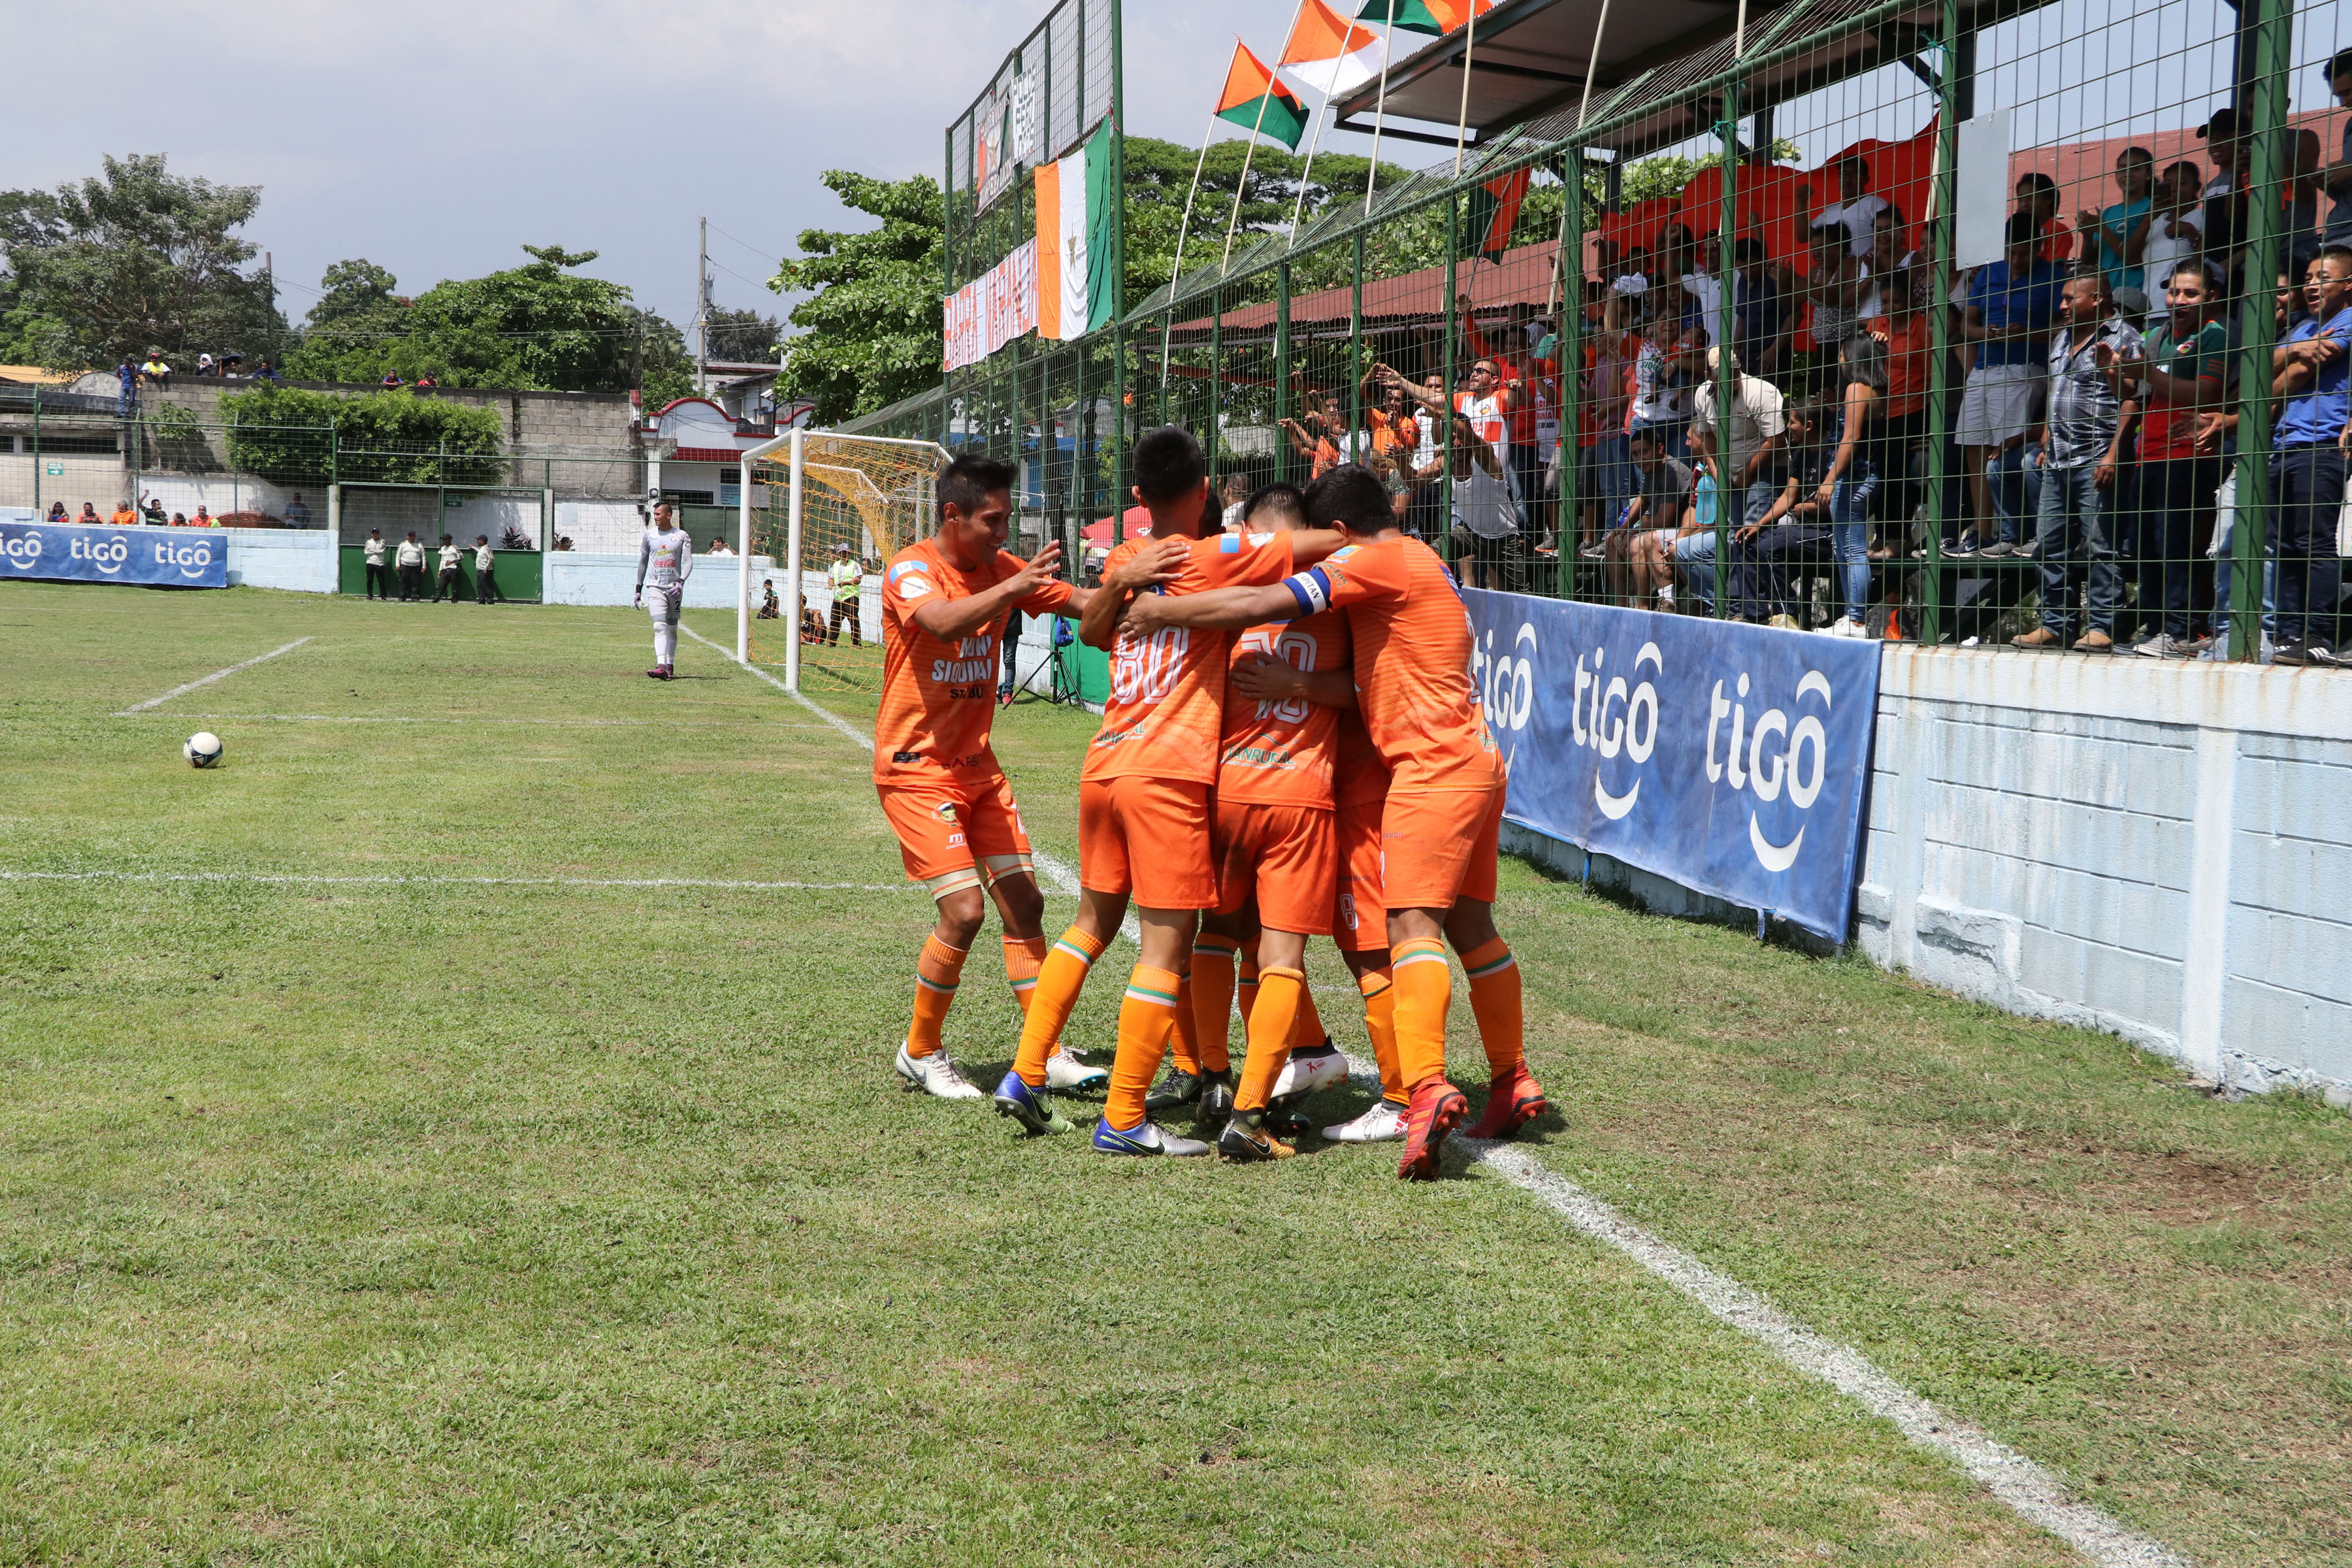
(695, 449)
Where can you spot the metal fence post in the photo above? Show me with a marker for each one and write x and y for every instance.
(2267, 25)
(1445, 420)
(1568, 533)
(1727, 382)
(1282, 409)
(1939, 240)
(1355, 330)
(36, 452)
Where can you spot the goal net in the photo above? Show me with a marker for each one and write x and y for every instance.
(831, 510)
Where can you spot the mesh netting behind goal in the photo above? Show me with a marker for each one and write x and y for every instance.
(863, 499)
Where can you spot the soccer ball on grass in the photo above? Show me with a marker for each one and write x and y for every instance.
(202, 749)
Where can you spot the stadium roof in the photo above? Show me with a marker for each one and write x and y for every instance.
(1529, 59)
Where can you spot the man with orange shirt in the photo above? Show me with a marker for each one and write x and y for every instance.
(944, 602)
(1443, 813)
(1144, 793)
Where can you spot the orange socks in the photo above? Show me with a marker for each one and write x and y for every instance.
(1184, 1038)
(1023, 956)
(937, 974)
(1425, 989)
(1146, 1018)
(1270, 1023)
(1494, 999)
(1214, 959)
(1308, 1030)
(1246, 992)
(1056, 992)
(1379, 1023)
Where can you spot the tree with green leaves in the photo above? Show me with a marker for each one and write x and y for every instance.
(536, 326)
(135, 257)
(744, 337)
(869, 331)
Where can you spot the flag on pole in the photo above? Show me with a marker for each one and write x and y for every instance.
(1328, 55)
(1435, 17)
(1493, 212)
(1253, 97)
(1074, 288)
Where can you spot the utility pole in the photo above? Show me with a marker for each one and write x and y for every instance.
(702, 311)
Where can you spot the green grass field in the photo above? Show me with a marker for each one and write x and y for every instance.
(416, 1219)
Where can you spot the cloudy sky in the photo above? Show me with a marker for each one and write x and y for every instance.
(435, 138)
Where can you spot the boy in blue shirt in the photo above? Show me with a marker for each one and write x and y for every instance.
(2307, 461)
(2012, 306)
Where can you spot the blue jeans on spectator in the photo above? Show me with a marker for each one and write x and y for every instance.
(2076, 541)
(2306, 493)
(1849, 535)
(1609, 477)
(1694, 554)
(2016, 492)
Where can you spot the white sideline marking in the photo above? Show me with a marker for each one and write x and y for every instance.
(455, 718)
(2024, 1487)
(208, 679)
(1056, 870)
(455, 881)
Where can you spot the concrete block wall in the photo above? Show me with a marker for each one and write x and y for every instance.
(2159, 850)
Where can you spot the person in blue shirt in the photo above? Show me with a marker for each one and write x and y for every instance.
(2011, 305)
(2307, 461)
(2121, 231)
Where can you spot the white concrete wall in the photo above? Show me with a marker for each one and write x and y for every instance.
(600, 527)
(305, 560)
(2158, 850)
(609, 578)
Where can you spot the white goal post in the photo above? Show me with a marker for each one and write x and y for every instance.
(875, 494)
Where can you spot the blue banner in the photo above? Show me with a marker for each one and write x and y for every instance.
(155, 557)
(1729, 758)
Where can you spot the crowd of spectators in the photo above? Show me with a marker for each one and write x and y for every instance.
(2092, 428)
(151, 513)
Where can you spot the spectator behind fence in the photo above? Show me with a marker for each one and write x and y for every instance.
(1856, 209)
(2011, 307)
(1660, 484)
(58, 512)
(2037, 197)
(1487, 522)
(1769, 550)
(2182, 367)
(89, 518)
(2082, 441)
(2307, 462)
(1850, 479)
(125, 516)
(1834, 287)
(2337, 178)
(297, 514)
(1907, 337)
(2118, 235)
(1762, 325)
(2176, 228)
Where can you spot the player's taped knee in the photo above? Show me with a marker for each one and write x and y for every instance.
(999, 866)
(947, 883)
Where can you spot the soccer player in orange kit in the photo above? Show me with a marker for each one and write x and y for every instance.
(944, 600)
(1144, 793)
(1443, 815)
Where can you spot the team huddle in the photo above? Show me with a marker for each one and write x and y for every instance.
(1292, 748)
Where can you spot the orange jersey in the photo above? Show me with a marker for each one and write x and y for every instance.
(1358, 777)
(939, 697)
(1167, 707)
(1281, 753)
(1411, 662)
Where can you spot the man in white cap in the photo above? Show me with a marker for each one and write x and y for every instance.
(846, 578)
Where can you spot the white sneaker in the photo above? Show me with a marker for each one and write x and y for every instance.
(1383, 1124)
(1306, 1072)
(1063, 1070)
(1666, 596)
(934, 1074)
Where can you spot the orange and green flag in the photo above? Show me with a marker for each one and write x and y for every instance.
(1492, 213)
(1253, 100)
(1435, 17)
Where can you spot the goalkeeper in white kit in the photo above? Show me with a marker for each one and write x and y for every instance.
(665, 559)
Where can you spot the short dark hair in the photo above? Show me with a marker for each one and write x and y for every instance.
(1351, 494)
(2340, 252)
(1747, 251)
(1648, 434)
(2037, 182)
(1283, 500)
(2340, 64)
(968, 481)
(2136, 154)
(2020, 230)
(1168, 464)
(2099, 275)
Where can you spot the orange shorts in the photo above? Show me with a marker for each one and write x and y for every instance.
(953, 824)
(1284, 854)
(1435, 848)
(1148, 837)
(1359, 919)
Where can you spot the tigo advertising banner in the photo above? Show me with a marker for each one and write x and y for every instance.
(155, 557)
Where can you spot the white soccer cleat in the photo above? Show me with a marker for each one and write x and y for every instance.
(1307, 1071)
(1382, 1123)
(1063, 1070)
(934, 1075)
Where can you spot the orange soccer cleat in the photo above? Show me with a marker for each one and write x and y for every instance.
(1437, 1108)
(1513, 1099)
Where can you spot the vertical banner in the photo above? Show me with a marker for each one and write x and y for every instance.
(992, 310)
(1731, 759)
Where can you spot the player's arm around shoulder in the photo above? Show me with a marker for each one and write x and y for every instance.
(1132, 567)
